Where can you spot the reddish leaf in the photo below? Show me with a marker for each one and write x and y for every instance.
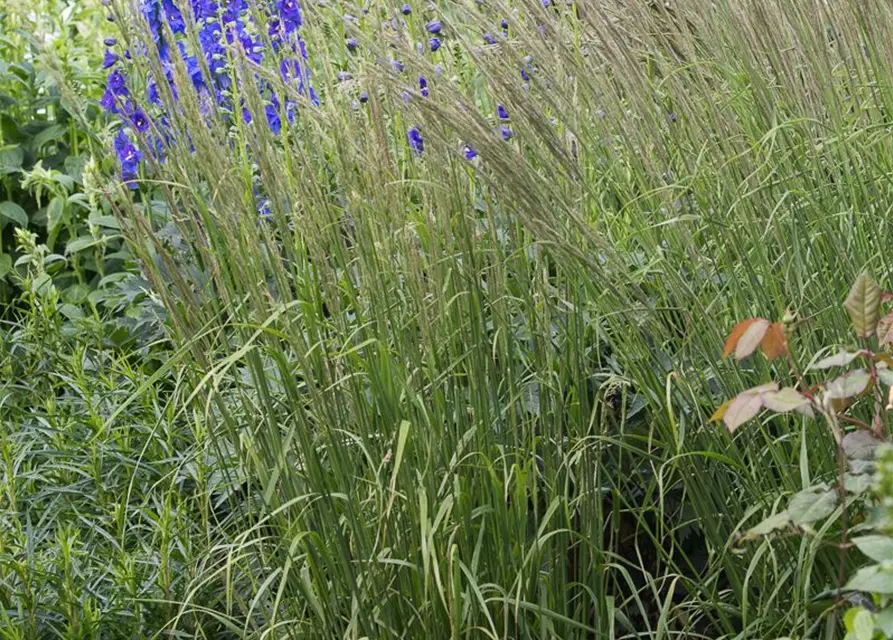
(774, 343)
(751, 338)
(737, 331)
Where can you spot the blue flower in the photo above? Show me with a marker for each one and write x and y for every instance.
(504, 24)
(140, 120)
(435, 26)
(364, 96)
(423, 86)
(434, 43)
(507, 134)
(489, 38)
(501, 112)
(406, 9)
(398, 66)
(415, 140)
(273, 119)
(352, 44)
(524, 76)
(110, 59)
(129, 157)
(469, 152)
(110, 42)
(290, 11)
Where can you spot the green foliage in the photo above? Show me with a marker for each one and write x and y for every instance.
(50, 129)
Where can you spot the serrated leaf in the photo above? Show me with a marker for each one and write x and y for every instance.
(839, 359)
(885, 329)
(877, 547)
(809, 506)
(863, 304)
(774, 344)
(742, 408)
(751, 338)
(848, 385)
(13, 212)
(860, 445)
(873, 579)
(785, 400)
(735, 335)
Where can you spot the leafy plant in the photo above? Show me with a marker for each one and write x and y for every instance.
(837, 401)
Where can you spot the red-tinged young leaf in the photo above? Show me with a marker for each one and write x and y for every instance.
(864, 304)
(720, 412)
(785, 400)
(743, 407)
(751, 338)
(885, 330)
(774, 343)
(848, 385)
(737, 331)
(839, 359)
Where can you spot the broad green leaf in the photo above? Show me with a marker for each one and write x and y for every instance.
(848, 385)
(5, 264)
(810, 505)
(863, 624)
(857, 484)
(13, 212)
(860, 445)
(11, 158)
(751, 338)
(79, 244)
(839, 359)
(884, 621)
(863, 304)
(873, 579)
(877, 547)
(55, 213)
(50, 134)
(786, 399)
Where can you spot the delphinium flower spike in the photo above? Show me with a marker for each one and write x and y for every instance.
(415, 140)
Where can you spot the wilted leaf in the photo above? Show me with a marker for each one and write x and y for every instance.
(848, 385)
(877, 547)
(885, 329)
(873, 579)
(751, 338)
(839, 359)
(860, 445)
(720, 412)
(787, 399)
(863, 304)
(809, 505)
(774, 343)
(737, 331)
(742, 408)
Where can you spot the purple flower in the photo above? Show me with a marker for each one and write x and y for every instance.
(398, 66)
(110, 42)
(504, 24)
(434, 43)
(110, 59)
(415, 140)
(423, 86)
(501, 112)
(435, 26)
(343, 76)
(524, 76)
(140, 120)
(469, 152)
(290, 12)
(364, 97)
(546, 3)
(352, 44)
(672, 117)
(438, 69)
(507, 134)
(129, 157)
(405, 9)
(489, 38)
(273, 119)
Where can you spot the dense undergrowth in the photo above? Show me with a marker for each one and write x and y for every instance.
(442, 337)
